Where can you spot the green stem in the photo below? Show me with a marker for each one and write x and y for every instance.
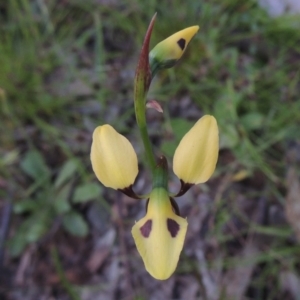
(141, 85)
(140, 113)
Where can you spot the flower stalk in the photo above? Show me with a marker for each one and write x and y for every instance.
(141, 85)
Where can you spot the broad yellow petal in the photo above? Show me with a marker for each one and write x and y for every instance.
(113, 158)
(197, 153)
(159, 236)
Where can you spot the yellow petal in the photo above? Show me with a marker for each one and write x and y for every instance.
(159, 236)
(166, 53)
(113, 158)
(197, 154)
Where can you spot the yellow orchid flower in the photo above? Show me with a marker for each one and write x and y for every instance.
(196, 156)
(159, 236)
(113, 158)
(166, 53)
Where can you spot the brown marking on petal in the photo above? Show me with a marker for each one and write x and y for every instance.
(175, 206)
(128, 191)
(146, 229)
(173, 227)
(184, 188)
(181, 44)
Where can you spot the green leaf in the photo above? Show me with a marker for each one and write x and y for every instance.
(74, 223)
(61, 201)
(66, 172)
(37, 225)
(180, 127)
(37, 229)
(225, 108)
(27, 205)
(229, 137)
(34, 165)
(17, 244)
(252, 121)
(168, 148)
(31, 230)
(86, 192)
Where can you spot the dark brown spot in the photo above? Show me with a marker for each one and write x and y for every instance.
(128, 191)
(184, 188)
(181, 44)
(146, 229)
(162, 163)
(175, 207)
(173, 227)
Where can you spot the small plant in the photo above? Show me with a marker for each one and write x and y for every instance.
(46, 202)
(159, 236)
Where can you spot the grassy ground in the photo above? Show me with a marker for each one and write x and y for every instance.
(67, 67)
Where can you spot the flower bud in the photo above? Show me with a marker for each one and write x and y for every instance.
(113, 158)
(166, 53)
(197, 153)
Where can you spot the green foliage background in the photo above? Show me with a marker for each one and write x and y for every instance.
(68, 66)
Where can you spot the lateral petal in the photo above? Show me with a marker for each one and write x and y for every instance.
(113, 158)
(197, 153)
